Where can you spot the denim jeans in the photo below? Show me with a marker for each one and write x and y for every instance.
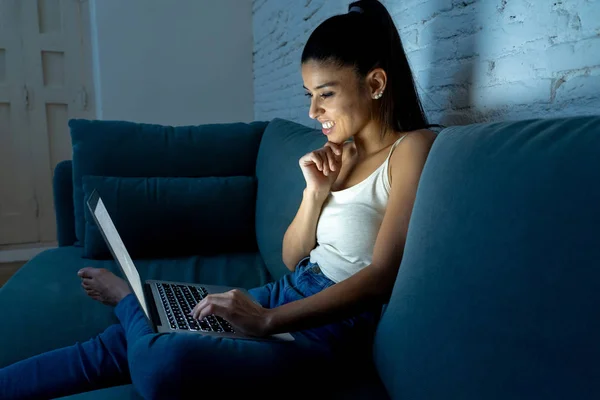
(169, 365)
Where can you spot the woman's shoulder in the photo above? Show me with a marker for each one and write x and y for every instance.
(411, 151)
(418, 140)
(420, 137)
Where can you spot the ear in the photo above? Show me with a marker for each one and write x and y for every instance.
(376, 82)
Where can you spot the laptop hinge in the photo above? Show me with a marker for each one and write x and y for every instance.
(151, 306)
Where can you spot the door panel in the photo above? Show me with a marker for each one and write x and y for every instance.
(18, 206)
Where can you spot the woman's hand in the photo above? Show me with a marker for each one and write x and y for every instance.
(236, 308)
(322, 167)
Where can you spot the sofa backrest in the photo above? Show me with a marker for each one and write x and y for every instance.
(498, 293)
(280, 185)
(152, 161)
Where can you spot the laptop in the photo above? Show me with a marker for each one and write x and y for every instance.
(166, 304)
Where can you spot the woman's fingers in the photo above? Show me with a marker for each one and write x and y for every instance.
(336, 148)
(320, 161)
(331, 158)
(211, 304)
(214, 308)
(317, 160)
(335, 152)
(325, 159)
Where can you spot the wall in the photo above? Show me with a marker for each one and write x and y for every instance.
(179, 63)
(473, 61)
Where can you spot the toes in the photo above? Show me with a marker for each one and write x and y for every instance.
(86, 272)
(92, 293)
(91, 272)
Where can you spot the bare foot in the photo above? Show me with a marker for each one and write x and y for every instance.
(102, 285)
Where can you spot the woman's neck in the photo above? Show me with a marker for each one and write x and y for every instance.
(369, 140)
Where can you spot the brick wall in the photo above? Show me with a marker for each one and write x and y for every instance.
(473, 60)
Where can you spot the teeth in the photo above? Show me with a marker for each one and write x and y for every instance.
(328, 125)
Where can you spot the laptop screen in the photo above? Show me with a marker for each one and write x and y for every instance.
(119, 251)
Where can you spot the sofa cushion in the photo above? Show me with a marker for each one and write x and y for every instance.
(128, 149)
(168, 217)
(498, 293)
(280, 185)
(43, 306)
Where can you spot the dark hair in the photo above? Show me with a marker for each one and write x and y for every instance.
(366, 38)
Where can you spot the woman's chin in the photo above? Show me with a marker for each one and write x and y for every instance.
(335, 136)
(335, 139)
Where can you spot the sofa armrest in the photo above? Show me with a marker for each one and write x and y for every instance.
(63, 203)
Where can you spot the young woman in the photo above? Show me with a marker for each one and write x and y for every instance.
(343, 248)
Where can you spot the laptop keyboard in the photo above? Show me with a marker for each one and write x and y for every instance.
(179, 300)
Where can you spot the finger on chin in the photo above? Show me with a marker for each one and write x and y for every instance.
(334, 145)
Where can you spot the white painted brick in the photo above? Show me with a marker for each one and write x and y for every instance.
(448, 25)
(466, 46)
(426, 57)
(519, 67)
(450, 97)
(496, 41)
(584, 83)
(578, 18)
(417, 12)
(410, 40)
(580, 107)
(450, 73)
(580, 54)
(545, 56)
(512, 93)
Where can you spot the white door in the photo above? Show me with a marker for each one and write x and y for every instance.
(18, 205)
(47, 81)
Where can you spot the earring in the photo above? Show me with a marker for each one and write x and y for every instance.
(378, 95)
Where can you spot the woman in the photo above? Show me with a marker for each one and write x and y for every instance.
(343, 247)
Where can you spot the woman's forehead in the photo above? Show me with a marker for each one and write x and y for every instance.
(316, 74)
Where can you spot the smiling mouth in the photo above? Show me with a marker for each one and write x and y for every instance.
(327, 127)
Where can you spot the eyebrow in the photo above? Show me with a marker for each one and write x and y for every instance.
(332, 83)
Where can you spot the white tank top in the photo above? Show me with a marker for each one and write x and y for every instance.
(349, 224)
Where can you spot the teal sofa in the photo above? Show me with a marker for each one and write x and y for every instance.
(497, 297)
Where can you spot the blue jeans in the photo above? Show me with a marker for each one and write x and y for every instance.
(168, 365)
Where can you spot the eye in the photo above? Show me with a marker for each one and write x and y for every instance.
(323, 96)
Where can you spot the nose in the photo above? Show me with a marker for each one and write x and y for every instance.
(314, 111)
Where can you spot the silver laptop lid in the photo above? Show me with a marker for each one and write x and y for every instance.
(117, 248)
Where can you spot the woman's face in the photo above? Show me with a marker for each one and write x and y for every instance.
(337, 100)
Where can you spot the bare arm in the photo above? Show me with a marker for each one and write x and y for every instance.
(300, 237)
(373, 284)
(320, 169)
